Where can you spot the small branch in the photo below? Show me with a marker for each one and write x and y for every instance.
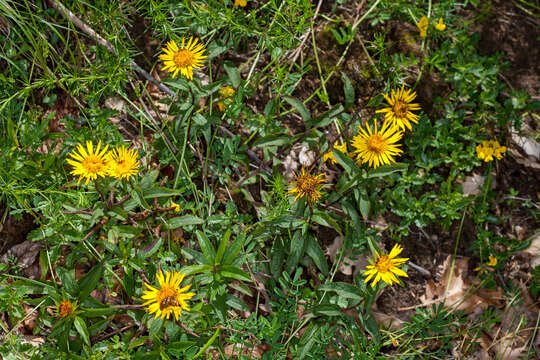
(188, 330)
(98, 226)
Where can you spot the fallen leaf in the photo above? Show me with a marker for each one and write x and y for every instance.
(534, 250)
(351, 264)
(454, 289)
(472, 184)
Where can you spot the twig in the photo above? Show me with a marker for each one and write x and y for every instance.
(419, 269)
(299, 49)
(188, 330)
(98, 226)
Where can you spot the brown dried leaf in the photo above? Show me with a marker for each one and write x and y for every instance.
(348, 266)
(236, 350)
(534, 250)
(455, 290)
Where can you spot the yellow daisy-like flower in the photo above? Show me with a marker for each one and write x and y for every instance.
(308, 186)
(65, 308)
(490, 148)
(386, 267)
(423, 26)
(124, 163)
(440, 25)
(241, 3)
(183, 59)
(89, 163)
(169, 298)
(399, 113)
(377, 147)
(329, 155)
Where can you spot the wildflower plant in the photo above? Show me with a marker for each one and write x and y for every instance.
(196, 240)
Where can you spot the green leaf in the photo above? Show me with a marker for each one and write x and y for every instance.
(345, 161)
(315, 252)
(67, 277)
(296, 251)
(276, 140)
(137, 195)
(149, 179)
(233, 272)
(158, 192)
(206, 247)
(222, 246)
(344, 290)
(307, 340)
(324, 219)
(177, 348)
(95, 312)
(232, 251)
(89, 281)
(155, 247)
(197, 269)
(369, 323)
(185, 220)
(326, 310)
(351, 213)
(80, 325)
(236, 303)
(299, 106)
(278, 254)
(386, 170)
(348, 89)
(364, 204)
(233, 73)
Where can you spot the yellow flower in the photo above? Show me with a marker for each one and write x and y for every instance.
(226, 92)
(377, 147)
(423, 26)
(440, 25)
(485, 268)
(241, 3)
(386, 267)
(65, 308)
(123, 163)
(308, 186)
(89, 163)
(329, 155)
(399, 113)
(169, 298)
(176, 207)
(488, 149)
(183, 59)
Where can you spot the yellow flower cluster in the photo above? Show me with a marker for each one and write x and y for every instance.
(424, 23)
(379, 146)
(225, 93)
(489, 149)
(90, 163)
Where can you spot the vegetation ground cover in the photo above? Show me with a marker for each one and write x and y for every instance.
(285, 179)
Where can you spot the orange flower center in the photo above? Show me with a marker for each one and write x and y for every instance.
(376, 144)
(400, 108)
(384, 263)
(65, 308)
(93, 164)
(183, 58)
